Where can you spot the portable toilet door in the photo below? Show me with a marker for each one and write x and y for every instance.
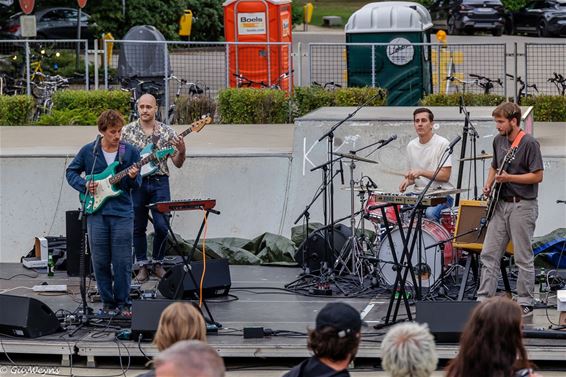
(257, 22)
(399, 66)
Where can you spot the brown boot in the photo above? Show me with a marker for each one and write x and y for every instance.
(158, 270)
(143, 274)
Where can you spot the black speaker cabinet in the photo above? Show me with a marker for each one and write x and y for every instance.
(74, 238)
(445, 319)
(145, 317)
(316, 249)
(26, 317)
(217, 280)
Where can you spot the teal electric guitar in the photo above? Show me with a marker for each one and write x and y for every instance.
(108, 179)
(152, 166)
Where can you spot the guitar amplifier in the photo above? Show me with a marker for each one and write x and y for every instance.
(470, 216)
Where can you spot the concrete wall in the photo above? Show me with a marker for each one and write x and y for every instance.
(260, 176)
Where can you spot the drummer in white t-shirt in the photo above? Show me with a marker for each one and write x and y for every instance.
(424, 154)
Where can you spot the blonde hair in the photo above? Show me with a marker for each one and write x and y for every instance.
(179, 321)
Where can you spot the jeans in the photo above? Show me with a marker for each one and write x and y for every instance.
(433, 213)
(510, 222)
(110, 239)
(154, 188)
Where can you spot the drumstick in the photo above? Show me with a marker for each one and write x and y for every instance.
(393, 172)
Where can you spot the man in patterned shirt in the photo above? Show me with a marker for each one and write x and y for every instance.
(155, 187)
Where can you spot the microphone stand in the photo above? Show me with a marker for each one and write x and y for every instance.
(330, 137)
(85, 248)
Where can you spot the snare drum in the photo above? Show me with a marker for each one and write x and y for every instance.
(375, 214)
(431, 264)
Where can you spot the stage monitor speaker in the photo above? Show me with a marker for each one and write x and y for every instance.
(145, 317)
(316, 249)
(470, 217)
(26, 317)
(74, 238)
(217, 280)
(447, 327)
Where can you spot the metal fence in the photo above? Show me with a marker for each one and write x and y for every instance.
(23, 63)
(215, 66)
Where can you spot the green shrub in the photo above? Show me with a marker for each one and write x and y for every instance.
(245, 106)
(307, 99)
(82, 107)
(470, 99)
(547, 108)
(191, 108)
(16, 110)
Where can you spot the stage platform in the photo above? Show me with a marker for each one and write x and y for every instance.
(257, 299)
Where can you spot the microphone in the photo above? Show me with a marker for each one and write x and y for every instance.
(454, 142)
(341, 172)
(96, 142)
(385, 142)
(561, 201)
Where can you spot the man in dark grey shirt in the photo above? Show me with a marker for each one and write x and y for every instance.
(516, 209)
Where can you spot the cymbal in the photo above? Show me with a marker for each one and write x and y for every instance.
(480, 157)
(354, 157)
(360, 189)
(447, 192)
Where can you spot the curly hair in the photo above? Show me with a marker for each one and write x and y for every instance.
(109, 119)
(408, 350)
(179, 321)
(491, 344)
(326, 343)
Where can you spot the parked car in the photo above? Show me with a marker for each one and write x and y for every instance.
(544, 18)
(51, 23)
(468, 16)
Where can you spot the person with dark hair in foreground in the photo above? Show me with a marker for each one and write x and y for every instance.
(334, 342)
(408, 350)
(189, 358)
(491, 344)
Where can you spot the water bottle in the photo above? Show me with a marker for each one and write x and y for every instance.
(50, 265)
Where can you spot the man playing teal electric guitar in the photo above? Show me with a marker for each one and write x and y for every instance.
(155, 187)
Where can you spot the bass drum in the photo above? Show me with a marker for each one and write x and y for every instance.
(429, 270)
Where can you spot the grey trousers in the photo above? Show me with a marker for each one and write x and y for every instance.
(515, 222)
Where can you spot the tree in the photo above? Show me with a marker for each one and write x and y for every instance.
(208, 20)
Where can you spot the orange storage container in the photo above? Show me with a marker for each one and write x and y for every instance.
(258, 21)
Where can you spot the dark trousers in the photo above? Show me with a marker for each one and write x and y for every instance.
(154, 188)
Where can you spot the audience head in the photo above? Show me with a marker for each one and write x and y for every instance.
(337, 332)
(179, 321)
(408, 350)
(491, 343)
(189, 358)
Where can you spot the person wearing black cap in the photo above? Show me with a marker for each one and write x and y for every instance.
(334, 342)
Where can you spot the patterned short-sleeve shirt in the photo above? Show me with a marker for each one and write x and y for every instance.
(161, 137)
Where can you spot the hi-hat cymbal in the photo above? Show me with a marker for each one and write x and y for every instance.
(480, 157)
(354, 157)
(447, 192)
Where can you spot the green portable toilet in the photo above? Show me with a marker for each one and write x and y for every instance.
(400, 67)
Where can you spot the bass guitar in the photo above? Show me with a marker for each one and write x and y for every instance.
(496, 186)
(108, 179)
(152, 167)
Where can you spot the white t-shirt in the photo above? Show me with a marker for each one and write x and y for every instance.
(427, 157)
(109, 156)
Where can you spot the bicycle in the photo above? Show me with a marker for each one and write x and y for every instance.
(331, 85)
(194, 89)
(43, 92)
(485, 83)
(523, 88)
(560, 82)
(244, 82)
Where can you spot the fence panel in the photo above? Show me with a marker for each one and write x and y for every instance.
(545, 63)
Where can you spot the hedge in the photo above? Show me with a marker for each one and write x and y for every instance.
(470, 99)
(16, 110)
(246, 106)
(307, 99)
(547, 108)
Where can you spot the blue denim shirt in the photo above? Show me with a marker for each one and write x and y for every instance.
(120, 205)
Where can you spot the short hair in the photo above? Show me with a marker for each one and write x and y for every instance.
(191, 358)
(110, 119)
(424, 110)
(408, 350)
(327, 343)
(179, 321)
(508, 110)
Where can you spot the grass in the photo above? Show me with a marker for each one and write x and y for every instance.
(343, 8)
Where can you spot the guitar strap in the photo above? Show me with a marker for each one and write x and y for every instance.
(121, 152)
(518, 139)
